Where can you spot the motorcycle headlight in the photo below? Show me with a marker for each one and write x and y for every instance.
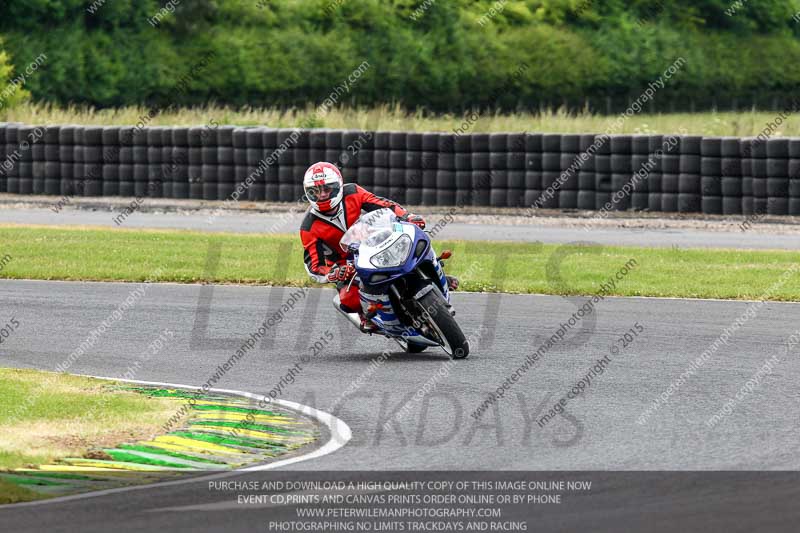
(394, 255)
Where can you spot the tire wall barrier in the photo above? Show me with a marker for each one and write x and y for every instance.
(687, 174)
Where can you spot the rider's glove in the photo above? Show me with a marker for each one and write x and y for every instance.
(341, 273)
(416, 220)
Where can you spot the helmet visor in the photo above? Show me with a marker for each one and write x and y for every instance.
(321, 193)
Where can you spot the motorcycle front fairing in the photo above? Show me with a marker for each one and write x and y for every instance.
(371, 274)
(381, 237)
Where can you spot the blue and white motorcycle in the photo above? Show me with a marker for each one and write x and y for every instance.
(403, 287)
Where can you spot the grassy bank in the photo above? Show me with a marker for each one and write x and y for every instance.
(45, 416)
(182, 256)
(385, 117)
(63, 434)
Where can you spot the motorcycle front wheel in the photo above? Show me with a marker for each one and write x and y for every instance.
(437, 314)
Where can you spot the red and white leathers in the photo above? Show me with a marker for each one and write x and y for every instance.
(321, 233)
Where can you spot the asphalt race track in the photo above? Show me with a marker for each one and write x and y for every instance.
(599, 430)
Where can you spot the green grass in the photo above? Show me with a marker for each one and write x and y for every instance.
(63, 398)
(181, 256)
(744, 123)
(11, 493)
(45, 415)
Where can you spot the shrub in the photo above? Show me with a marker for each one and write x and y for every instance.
(12, 91)
(439, 55)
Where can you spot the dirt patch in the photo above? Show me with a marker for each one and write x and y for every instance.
(98, 454)
(98, 440)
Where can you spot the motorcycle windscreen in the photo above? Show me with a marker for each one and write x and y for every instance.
(371, 228)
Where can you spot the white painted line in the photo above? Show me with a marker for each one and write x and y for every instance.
(340, 435)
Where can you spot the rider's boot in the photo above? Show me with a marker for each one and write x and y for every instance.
(367, 326)
(357, 319)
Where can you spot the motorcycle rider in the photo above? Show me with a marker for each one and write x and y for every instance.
(335, 206)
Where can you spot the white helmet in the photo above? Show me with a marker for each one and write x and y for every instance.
(323, 184)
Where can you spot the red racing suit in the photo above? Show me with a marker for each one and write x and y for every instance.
(321, 234)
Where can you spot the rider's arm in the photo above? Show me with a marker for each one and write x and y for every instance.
(370, 202)
(314, 257)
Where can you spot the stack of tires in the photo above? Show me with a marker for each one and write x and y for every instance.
(92, 160)
(157, 184)
(357, 160)
(46, 176)
(505, 176)
(551, 170)
(777, 180)
(295, 155)
(746, 161)
(670, 177)
(26, 138)
(414, 168)
(482, 178)
(219, 167)
(586, 173)
(642, 163)
(711, 172)
(11, 160)
(794, 177)
(533, 168)
(463, 164)
(731, 172)
(714, 175)
(176, 155)
(6, 163)
(356, 157)
(201, 184)
(37, 155)
(567, 173)
(137, 138)
(759, 165)
(110, 159)
(515, 177)
(380, 162)
(119, 141)
(689, 181)
(655, 177)
(247, 152)
(621, 171)
(392, 161)
(602, 175)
